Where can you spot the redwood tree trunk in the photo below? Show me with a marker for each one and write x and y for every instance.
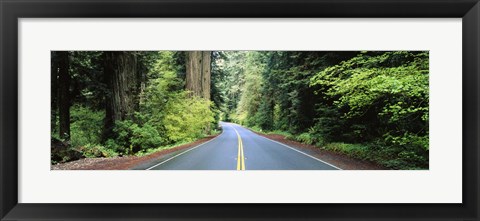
(121, 79)
(198, 73)
(64, 94)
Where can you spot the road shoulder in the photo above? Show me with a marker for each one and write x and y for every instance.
(339, 160)
(126, 162)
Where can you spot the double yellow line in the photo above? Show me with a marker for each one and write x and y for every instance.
(240, 157)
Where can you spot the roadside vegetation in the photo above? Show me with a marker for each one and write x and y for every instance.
(155, 113)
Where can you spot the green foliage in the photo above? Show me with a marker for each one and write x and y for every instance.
(388, 157)
(358, 151)
(165, 115)
(86, 126)
(88, 87)
(166, 108)
(187, 118)
(358, 83)
(370, 105)
(145, 137)
(91, 151)
(276, 94)
(132, 137)
(379, 98)
(251, 98)
(264, 117)
(310, 138)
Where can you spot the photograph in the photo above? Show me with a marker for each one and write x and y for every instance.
(239, 110)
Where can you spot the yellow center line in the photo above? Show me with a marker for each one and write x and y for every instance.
(239, 164)
(240, 156)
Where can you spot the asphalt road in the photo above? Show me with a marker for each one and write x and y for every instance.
(238, 148)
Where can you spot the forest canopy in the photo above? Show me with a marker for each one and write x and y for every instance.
(370, 105)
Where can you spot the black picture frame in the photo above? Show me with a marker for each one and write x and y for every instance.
(12, 10)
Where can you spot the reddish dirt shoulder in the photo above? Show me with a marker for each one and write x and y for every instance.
(122, 163)
(340, 160)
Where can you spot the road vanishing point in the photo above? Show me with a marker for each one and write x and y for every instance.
(238, 148)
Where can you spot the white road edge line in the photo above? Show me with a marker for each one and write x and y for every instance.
(158, 164)
(295, 149)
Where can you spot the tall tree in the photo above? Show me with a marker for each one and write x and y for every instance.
(198, 67)
(121, 79)
(64, 94)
